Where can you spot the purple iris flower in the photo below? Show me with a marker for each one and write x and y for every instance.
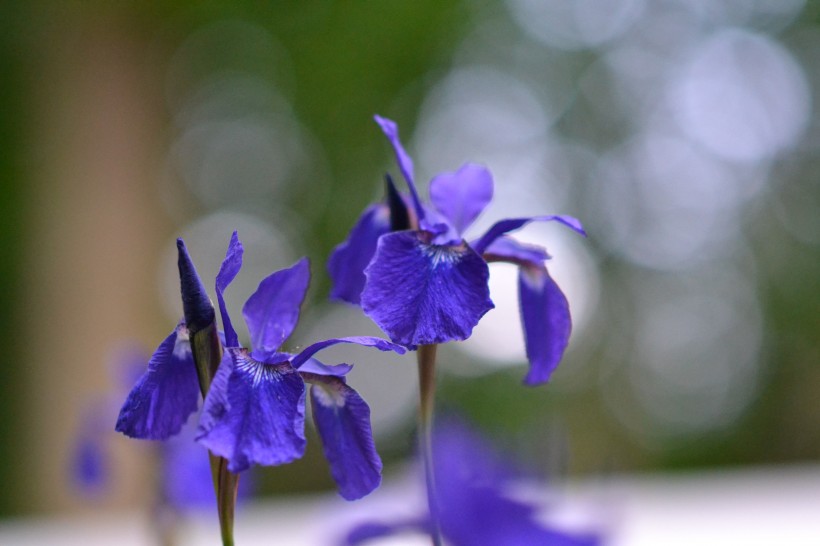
(474, 505)
(254, 411)
(424, 283)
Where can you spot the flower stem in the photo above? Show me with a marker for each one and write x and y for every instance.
(207, 352)
(426, 356)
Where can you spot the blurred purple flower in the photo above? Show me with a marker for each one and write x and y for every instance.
(427, 284)
(474, 508)
(254, 410)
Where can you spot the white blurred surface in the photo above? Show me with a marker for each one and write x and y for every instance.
(751, 507)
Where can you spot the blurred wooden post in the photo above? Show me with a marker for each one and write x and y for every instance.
(95, 227)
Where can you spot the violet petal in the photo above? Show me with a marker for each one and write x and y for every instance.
(227, 272)
(342, 418)
(348, 260)
(254, 413)
(420, 293)
(507, 249)
(511, 224)
(391, 131)
(367, 341)
(546, 319)
(462, 195)
(167, 393)
(272, 312)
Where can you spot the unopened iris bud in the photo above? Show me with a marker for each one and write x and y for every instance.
(197, 306)
(399, 215)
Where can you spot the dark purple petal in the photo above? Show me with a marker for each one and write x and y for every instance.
(254, 413)
(367, 341)
(462, 195)
(272, 312)
(420, 293)
(511, 224)
(199, 312)
(227, 272)
(507, 249)
(546, 320)
(391, 131)
(348, 260)
(342, 418)
(165, 395)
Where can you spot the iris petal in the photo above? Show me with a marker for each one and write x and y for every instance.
(272, 312)
(166, 394)
(254, 413)
(546, 319)
(511, 224)
(199, 312)
(420, 293)
(227, 272)
(342, 418)
(462, 195)
(367, 341)
(391, 131)
(348, 260)
(507, 249)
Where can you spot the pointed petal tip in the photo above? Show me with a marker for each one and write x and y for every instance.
(196, 305)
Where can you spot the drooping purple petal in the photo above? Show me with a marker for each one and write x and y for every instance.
(348, 260)
(391, 131)
(272, 312)
(507, 249)
(462, 195)
(420, 293)
(546, 319)
(164, 397)
(342, 418)
(196, 305)
(511, 224)
(254, 413)
(227, 272)
(367, 341)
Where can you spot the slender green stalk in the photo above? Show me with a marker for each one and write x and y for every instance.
(426, 355)
(207, 352)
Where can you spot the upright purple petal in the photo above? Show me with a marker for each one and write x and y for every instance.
(507, 249)
(391, 131)
(227, 272)
(546, 320)
(342, 418)
(348, 260)
(367, 341)
(196, 305)
(164, 397)
(420, 293)
(254, 413)
(511, 224)
(462, 195)
(272, 312)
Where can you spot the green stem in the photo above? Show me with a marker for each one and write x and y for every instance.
(207, 352)
(426, 356)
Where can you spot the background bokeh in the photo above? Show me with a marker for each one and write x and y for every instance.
(683, 133)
